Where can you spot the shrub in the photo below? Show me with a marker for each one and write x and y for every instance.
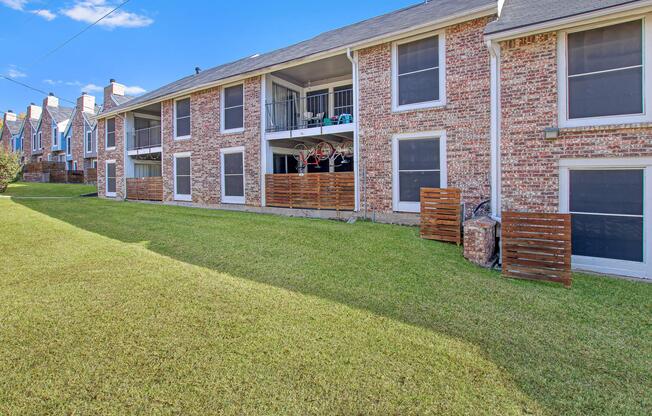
(9, 168)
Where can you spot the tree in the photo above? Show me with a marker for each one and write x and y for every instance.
(9, 168)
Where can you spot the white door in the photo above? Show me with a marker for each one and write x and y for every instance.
(610, 215)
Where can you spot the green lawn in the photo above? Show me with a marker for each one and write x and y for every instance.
(121, 308)
(26, 189)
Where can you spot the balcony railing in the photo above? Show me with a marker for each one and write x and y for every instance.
(318, 110)
(144, 138)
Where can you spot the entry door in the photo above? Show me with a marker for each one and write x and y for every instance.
(609, 218)
(233, 177)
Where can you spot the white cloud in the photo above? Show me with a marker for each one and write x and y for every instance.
(92, 88)
(51, 82)
(15, 73)
(44, 13)
(134, 90)
(90, 11)
(14, 4)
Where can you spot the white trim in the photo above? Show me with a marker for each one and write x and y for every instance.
(181, 197)
(68, 146)
(263, 141)
(602, 265)
(496, 192)
(223, 109)
(399, 206)
(441, 70)
(88, 133)
(232, 199)
(356, 131)
(562, 77)
(174, 109)
(106, 178)
(106, 133)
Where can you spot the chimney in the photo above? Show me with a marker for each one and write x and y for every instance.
(33, 111)
(112, 89)
(51, 101)
(10, 115)
(86, 103)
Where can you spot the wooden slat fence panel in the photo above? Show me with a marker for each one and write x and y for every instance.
(537, 246)
(441, 214)
(328, 191)
(145, 189)
(90, 175)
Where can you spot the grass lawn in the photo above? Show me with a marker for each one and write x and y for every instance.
(121, 308)
(27, 189)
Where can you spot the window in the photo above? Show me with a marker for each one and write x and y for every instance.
(602, 75)
(182, 118)
(89, 141)
(94, 164)
(110, 178)
(55, 136)
(74, 165)
(40, 140)
(34, 143)
(110, 133)
(233, 105)
(418, 73)
(182, 180)
(68, 146)
(418, 162)
(233, 181)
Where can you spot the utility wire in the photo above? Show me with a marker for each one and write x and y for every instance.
(33, 88)
(79, 33)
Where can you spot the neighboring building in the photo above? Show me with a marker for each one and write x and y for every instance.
(10, 134)
(82, 153)
(50, 139)
(582, 70)
(31, 151)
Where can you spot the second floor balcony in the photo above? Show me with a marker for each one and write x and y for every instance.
(328, 112)
(144, 141)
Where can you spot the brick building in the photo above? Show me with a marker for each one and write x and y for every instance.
(9, 135)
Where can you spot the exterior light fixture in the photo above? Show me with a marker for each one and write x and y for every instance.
(551, 133)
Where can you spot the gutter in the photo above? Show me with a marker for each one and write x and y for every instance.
(356, 116)
(614, 12)
(496, 194)
(486, 10)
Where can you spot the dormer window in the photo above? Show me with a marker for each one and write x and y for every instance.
(602, 75)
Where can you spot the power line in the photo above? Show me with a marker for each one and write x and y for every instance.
(79, 33)
(33, 88)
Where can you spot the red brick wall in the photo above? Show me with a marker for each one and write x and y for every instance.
(27, 140)
(77, 137)
(530, 164)
(5, 138)
(117, 154)
(206, 141)
(46, 133)
(465, 118)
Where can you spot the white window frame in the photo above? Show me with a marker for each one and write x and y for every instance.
(88, 139)
(34, 142)
(94, 164)
(74, 165)
(40, 140)
(562, 78)
(602, 265)
(188, 136)
(106, 133)
(55, 136)
(106, 178)
(442, 73)
(233, 199)
(180, 197)
(399, 206)
(223, 109)
(68, 145)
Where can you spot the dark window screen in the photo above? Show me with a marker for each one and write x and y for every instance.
(411, 183)
(234, 185)
(110, 177)
(233, 174)
(183, 117)
(418, 165)
(233, 163)
(183, 175)
(418, 71)
(110, 132)
(233, 107)
(607, 213)
(617, 49)
(607, 191)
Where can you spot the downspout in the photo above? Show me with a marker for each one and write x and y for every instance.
(494, 52)
(356, 116)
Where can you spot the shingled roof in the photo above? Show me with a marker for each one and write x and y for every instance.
(14, 126)
(60, 114)
(522, 13)
(387, 24)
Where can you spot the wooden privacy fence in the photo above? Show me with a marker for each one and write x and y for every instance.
(331, 191)
(44, 167)
(441, 214)
(90, 175)
(67, 176)
(537, 246)
(145, 189)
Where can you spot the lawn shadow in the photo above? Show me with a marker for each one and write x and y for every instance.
(548, 338)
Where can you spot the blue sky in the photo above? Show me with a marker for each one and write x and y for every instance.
(149, 43)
